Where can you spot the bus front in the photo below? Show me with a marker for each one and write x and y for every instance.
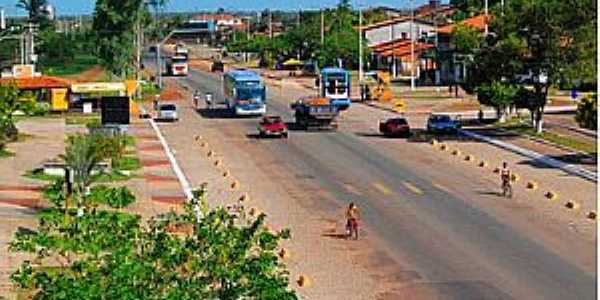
(335, 85)
(250, 97)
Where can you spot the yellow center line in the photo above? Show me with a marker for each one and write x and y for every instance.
(412, 188)
(382, 188)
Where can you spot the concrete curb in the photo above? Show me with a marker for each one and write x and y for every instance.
(583, 131)
(571, 169)
(183, 181)
(545, 142)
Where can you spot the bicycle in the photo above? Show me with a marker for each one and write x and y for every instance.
(507, 190)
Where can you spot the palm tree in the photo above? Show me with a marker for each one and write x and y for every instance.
(81, 157)
(34, 8)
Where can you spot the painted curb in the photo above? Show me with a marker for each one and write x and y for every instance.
(571, 169)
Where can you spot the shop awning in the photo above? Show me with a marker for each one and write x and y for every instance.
(98, 87)
(36, 83)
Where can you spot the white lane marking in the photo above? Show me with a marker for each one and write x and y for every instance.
(185, 184)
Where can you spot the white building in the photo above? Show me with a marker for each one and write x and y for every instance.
(397, 29)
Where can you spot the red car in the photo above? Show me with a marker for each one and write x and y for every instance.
(272, 126)
(394, 127)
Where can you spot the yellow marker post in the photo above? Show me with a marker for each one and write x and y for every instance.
(399, 106)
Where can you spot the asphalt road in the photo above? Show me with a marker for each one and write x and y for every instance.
(459, 250)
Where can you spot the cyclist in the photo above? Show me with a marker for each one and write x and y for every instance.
(352, 216)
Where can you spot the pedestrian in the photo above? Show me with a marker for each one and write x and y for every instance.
(505, 177)
(480, 116)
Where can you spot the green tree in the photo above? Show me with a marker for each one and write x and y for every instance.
(34, 9)
(218, 255)
(82, 155)
(498, 95)
(549, 39)
(10, 102)
(587, 112)
(114, 22)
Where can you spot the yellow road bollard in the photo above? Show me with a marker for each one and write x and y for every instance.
(303, 281)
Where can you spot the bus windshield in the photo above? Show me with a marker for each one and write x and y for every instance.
(248, 84)
(179, 60)
(336, 83)
(250, 94)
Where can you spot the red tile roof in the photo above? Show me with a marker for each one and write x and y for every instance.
(477, 22)
(36, 83)
(400, 48)
(215, 17)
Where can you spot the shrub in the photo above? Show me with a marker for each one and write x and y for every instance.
(587, 112)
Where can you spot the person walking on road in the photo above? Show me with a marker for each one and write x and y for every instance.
(352, 216)
(505, 176)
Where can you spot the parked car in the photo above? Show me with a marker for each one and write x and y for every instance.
(272, 126)
(442, 124)
(167, 112)
(394, 127)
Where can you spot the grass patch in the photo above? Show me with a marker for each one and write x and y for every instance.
(5, 153)
(525, 129)
(104, 177)
(113, 176)
(83, 120)
(40, 175)
(79, 64)
(129, 141)
(127, 163)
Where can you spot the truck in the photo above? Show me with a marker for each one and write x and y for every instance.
(181, 50)
(315, 113)
(177, 65)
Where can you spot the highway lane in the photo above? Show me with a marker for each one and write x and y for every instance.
(458, 249)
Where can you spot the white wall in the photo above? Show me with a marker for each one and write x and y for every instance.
(388, 33)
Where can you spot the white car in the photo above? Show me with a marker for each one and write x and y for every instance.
(167, 112)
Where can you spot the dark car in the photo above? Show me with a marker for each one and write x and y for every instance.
(272, 126)
(442, 124)
(394, 127)
(217, 66)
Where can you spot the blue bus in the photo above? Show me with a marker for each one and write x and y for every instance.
(335, 85)
(245, 93)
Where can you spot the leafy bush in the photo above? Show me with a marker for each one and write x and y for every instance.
(126, 164)
(114, 197)
(109, 255)
(587, 112)
(54, 193)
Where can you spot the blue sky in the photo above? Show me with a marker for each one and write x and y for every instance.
(70, 7)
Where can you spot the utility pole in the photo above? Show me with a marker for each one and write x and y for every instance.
(247, 39)
(2, 19)
(412, 46)
(360, 45)
(29, 44)
(486, 16)
(394, 62)
(322, 27)
(435, 24)
(22, 46)
(270, 24)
